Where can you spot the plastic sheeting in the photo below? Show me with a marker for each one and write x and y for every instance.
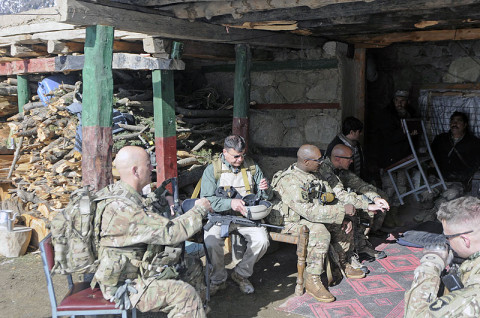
(17, 6)
(436, 107)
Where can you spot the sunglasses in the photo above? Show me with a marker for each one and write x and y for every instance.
(350, 158)
(450, 236)
(237, 156)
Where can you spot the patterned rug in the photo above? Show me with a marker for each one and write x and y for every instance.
(379, 295)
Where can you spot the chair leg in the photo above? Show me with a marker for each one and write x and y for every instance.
(134, 312)
(124, 314)
(395, 187)
(301, 258)
(410, 182)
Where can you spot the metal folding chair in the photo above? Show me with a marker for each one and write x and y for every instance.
(80, 299)
(415, 161)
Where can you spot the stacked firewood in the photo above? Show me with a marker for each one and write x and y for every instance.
(45, 168)
(203, 120)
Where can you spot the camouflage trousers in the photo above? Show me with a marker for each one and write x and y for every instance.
(178, 298)
(320, 238)
(361, 230)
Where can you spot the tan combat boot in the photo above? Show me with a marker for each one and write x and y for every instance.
(314, 286)
(354, 273)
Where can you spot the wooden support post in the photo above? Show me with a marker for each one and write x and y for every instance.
(23, 91)
(241, 95)
(97, 109)
(165, 125)
(359, 79)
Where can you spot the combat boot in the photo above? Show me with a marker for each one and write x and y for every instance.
(314, 286)
(353, 273)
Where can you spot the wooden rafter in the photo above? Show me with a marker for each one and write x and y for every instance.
(378, 41)
(86, 13)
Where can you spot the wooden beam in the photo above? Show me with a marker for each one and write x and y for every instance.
(27, 50)
(277, 66)
(378, 41)
(297, 106)
(241, 94)
(165, 124)
(74, 63)
(211, 51)
(97, 109)
(86, 13)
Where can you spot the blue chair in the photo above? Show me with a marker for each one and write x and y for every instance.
(80, 299)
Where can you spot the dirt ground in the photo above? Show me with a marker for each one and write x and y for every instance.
(24, 293)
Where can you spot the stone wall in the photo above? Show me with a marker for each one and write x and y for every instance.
(290, 128)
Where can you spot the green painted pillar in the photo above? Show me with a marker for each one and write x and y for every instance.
(165, 125)
(241, 100)
(97, 108)
(23, 91)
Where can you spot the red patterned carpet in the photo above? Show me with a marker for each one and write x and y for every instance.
(379, 295)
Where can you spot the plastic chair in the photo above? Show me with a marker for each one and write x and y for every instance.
(415, 161)
(80, 299)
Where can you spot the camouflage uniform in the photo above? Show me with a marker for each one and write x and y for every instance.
(422, 301)
(132, 237)
(339, 180)
(323, 221)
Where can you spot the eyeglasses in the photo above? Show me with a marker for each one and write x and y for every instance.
(317, 160)
(451, 236)
(237, 156)
(349, 158)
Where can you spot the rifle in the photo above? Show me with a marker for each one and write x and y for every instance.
(226, 220)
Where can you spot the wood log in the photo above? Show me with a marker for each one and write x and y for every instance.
(15, 158)
(8, 90)
(186, 162)
(32, 105)
(205, 120)
(199, 145)
(203, 112)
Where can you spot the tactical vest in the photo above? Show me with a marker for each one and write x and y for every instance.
(241, 181)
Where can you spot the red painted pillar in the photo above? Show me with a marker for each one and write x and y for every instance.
(97, 105)
(165, 126)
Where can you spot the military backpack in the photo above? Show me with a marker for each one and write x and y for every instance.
(75, 231)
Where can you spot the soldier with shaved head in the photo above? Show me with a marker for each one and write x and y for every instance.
(304, 202)
(134, 244)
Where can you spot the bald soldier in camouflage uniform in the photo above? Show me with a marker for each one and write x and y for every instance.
(461, 222)
(326, 222)
(335, 171)
(133, 243)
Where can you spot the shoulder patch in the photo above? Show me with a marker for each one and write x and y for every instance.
(438, 304)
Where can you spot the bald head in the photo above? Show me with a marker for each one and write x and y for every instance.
(341, 156)
(308, 158)
(133, 165)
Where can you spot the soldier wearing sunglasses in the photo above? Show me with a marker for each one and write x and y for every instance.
(461, 226)
(364, 197)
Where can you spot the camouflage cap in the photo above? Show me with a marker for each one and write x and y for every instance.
(401, 93)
